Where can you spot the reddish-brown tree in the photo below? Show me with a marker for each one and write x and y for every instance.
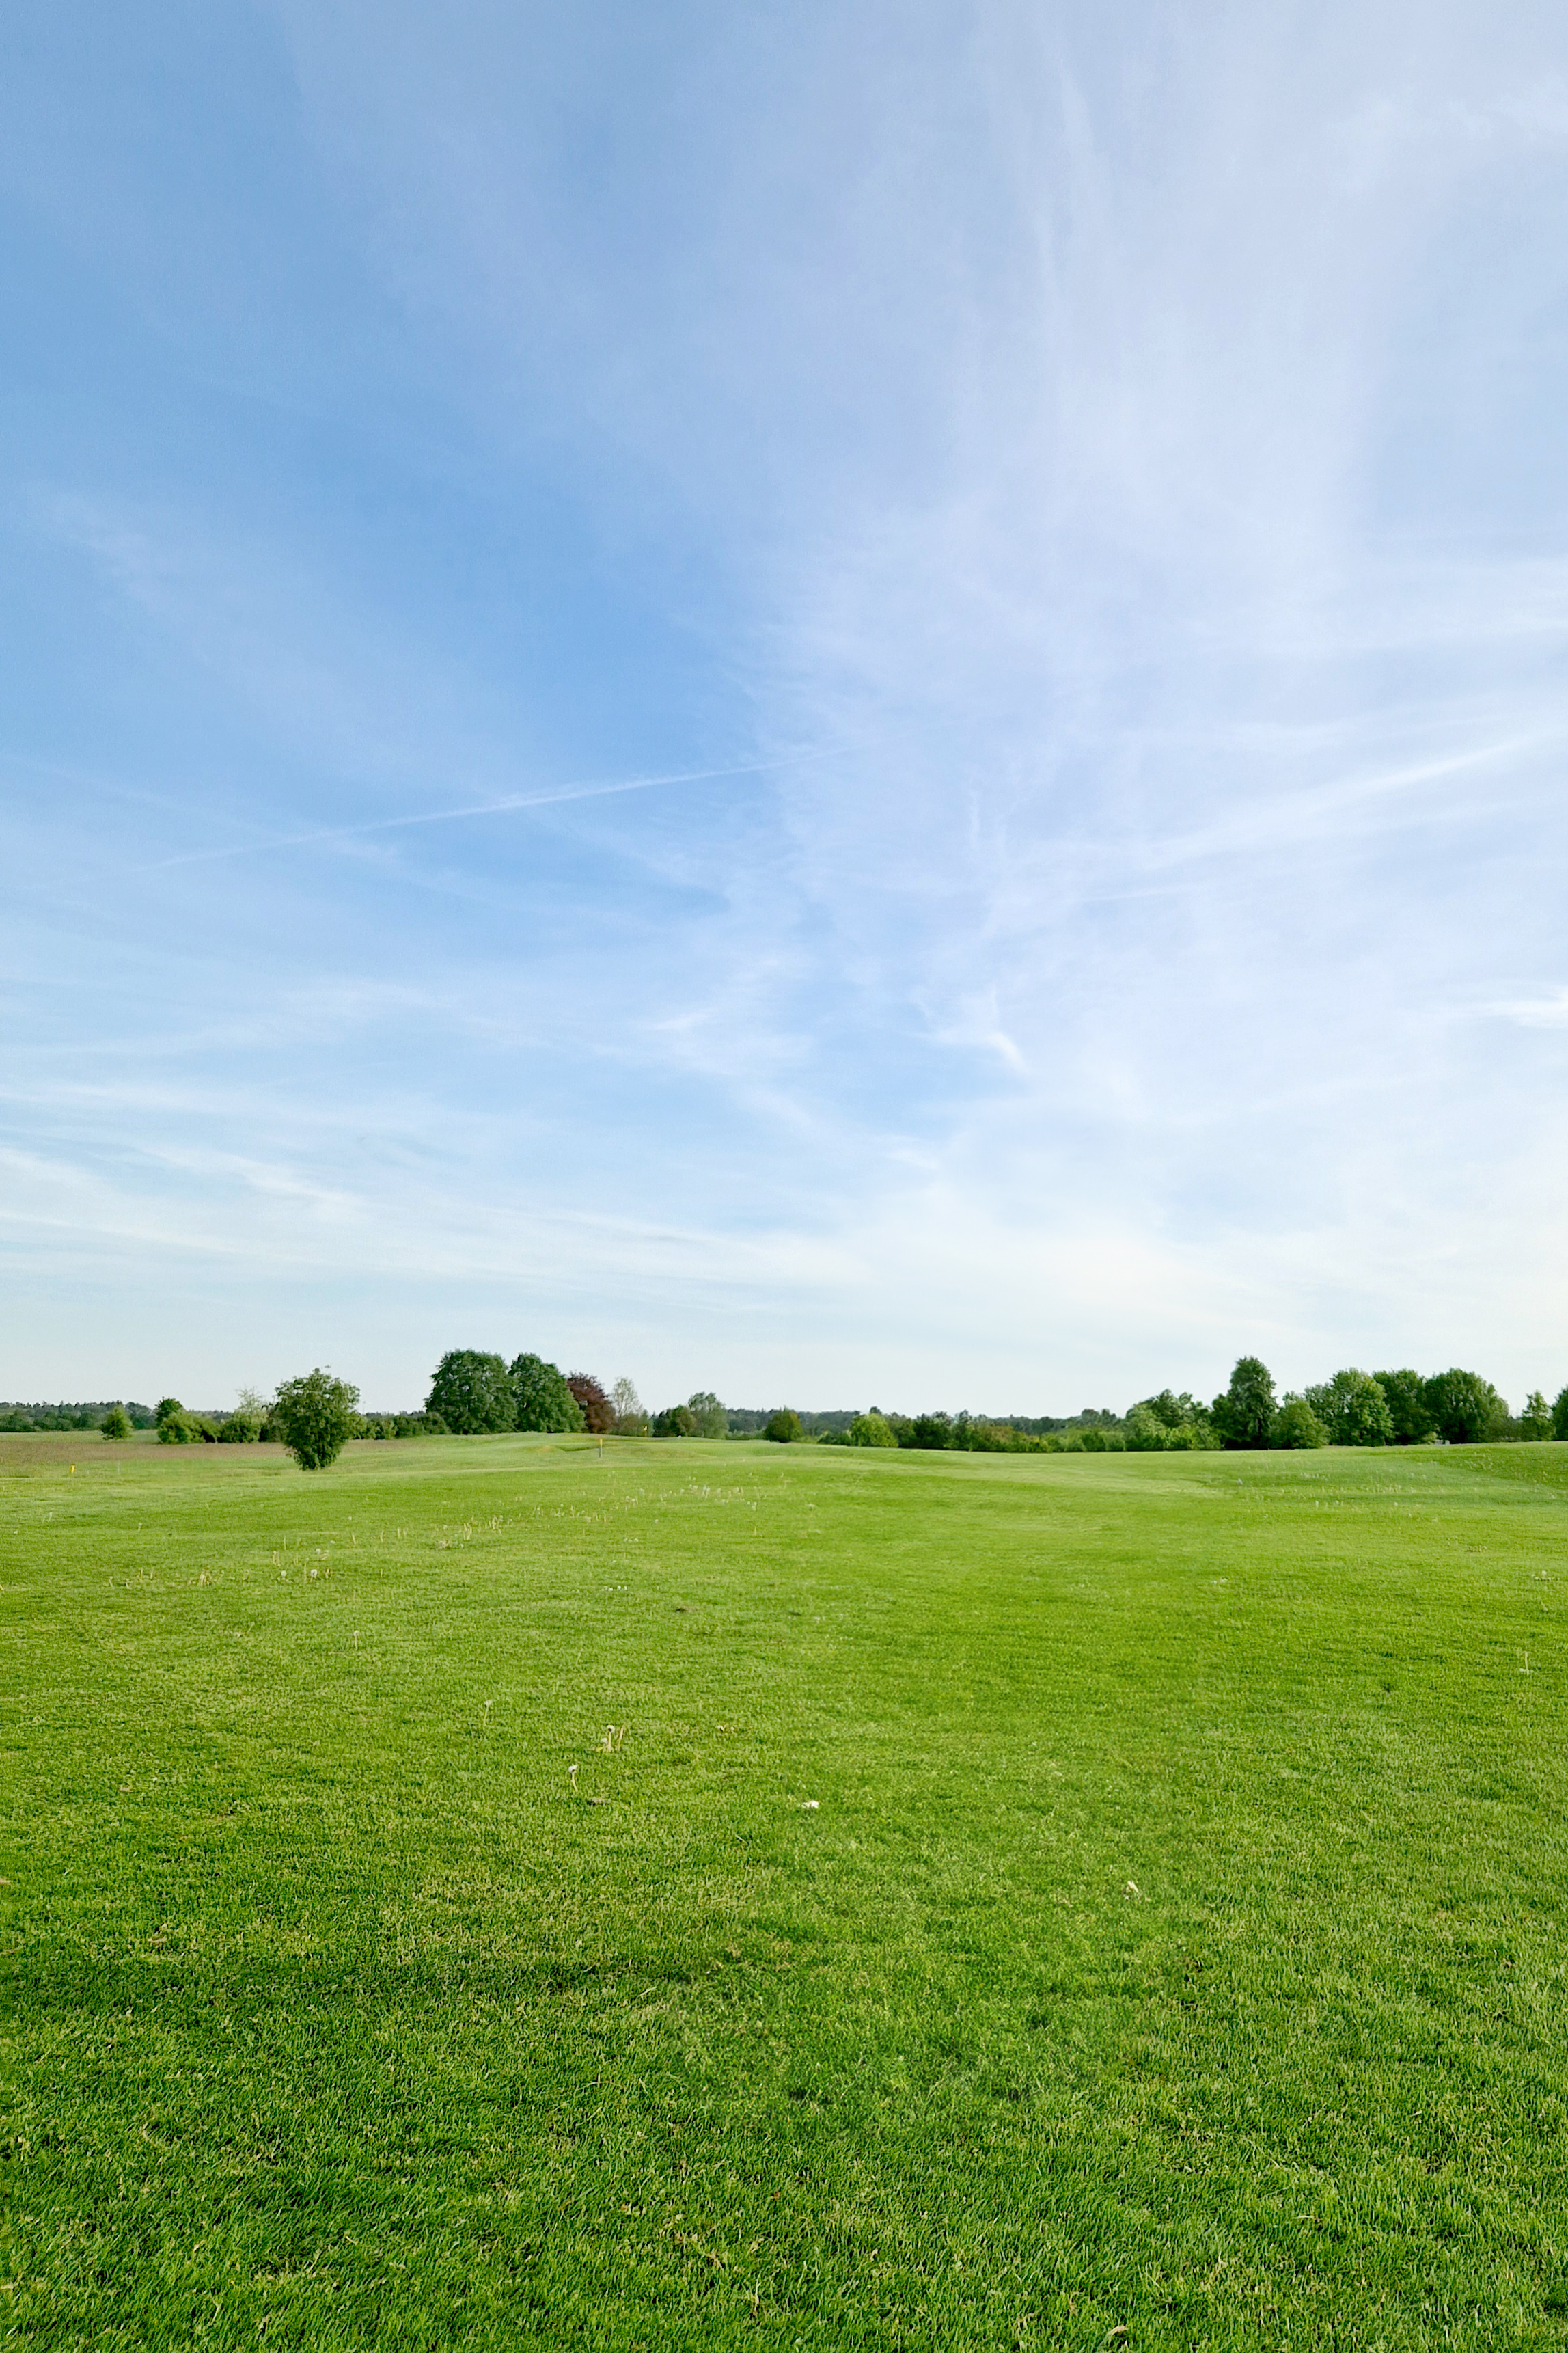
(598, 1413)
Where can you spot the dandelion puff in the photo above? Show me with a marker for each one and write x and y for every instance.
(810, 1805)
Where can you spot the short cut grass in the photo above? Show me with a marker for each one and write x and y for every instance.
(760, 1896)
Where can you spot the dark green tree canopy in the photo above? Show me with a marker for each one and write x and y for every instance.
(316, 1415)
(1464, 1408)
(1535, 1421)
(541, 1397)
(1244, 1416)
(675, 1422)
(1404, 1393)
(116, 1424)
(931, 1431)
(472, 1393)
(1559, 1414)
(1296, 1424)
(1352, 1409)
(783, 1427)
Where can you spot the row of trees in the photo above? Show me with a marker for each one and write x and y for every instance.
(478, 1394)
(22, 1418)
(1354, 1408)
(1401, 1407)
(255, 1420)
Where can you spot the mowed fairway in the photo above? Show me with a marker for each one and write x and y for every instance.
(1173, 1954)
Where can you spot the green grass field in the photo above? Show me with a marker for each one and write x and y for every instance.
(1092, 1901)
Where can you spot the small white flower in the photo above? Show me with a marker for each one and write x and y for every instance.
(808, 1805)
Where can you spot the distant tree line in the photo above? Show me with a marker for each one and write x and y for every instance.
(24, 1418)
(1402, 1407)
(1354, 1408)
(476, 1393)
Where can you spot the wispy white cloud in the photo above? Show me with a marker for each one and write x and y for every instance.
(1092, 476)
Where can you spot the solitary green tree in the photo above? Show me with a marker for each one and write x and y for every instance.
(472, 1393)
(117, 1424)
(316, 1415)
(783, 1427)
(1244, 1416)
(541, 1398)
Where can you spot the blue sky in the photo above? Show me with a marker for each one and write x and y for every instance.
(839, 702)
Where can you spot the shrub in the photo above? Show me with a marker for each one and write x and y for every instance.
(472, 1393)
(316, 1415)
(871, 1429)
(116, 1425)
(239, 1430)
(783, 1427)
(541, 1398)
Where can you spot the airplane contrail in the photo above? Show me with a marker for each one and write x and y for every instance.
(503, 808)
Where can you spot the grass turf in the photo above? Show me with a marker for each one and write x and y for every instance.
(1173, 1956)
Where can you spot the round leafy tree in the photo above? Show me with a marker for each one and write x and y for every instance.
(1404, 1393)
(1464, 1408)
(541, 1397)
(1296, 1424)
(931, 1431)
(871, 1429)
(1352, 1409)
(315, 1415)
(711, 1418)
(598, 1413)
(783, 1427)
(675, 1422)
(472, 1393)
(1535, 1421)
(116, 1423)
